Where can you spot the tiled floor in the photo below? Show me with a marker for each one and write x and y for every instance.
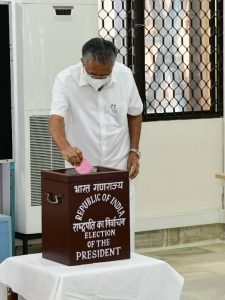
(202, 266)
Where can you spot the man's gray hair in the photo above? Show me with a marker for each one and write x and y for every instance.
(99, 50)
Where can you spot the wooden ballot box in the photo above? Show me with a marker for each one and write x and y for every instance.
(85, 218)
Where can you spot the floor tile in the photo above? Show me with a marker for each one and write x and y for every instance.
(202, 266)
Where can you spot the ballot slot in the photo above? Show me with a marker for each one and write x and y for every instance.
(96, 169)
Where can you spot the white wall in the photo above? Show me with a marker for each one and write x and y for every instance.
(177, 186)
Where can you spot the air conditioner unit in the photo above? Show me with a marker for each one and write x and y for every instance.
(48, 36)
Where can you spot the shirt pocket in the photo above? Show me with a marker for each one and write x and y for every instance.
(116, 114)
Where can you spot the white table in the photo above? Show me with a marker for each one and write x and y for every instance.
(138, 278)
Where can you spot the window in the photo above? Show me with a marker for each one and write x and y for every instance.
(174, 49)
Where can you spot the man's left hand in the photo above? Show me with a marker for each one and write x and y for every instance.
(133, 165)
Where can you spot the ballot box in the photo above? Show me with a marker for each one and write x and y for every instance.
(85, 218)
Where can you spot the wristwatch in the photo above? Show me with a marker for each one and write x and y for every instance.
(136, 151)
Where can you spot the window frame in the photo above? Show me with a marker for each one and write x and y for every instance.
(138, 59)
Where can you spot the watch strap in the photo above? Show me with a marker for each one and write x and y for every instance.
(135, 150)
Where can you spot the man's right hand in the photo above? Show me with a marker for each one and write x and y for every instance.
(73, 155)
(57, 129)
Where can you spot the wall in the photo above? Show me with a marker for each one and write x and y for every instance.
(176, 186)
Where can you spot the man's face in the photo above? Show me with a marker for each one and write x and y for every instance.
(98, 71)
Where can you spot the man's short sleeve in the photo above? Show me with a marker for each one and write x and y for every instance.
(59, 103)
(135, 106)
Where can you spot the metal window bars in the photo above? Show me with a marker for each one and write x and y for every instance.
(174, 49)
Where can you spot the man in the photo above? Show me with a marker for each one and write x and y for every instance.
(96, 110)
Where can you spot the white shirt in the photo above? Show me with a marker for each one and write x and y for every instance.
(96, 121)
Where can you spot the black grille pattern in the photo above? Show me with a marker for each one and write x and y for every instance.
(174, 49)
(113, 25)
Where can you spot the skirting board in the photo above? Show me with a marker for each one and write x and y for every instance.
(180, 220)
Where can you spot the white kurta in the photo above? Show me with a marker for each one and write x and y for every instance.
(96, 121)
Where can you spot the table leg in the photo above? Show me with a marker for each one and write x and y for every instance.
(11, 295)
(25, 246)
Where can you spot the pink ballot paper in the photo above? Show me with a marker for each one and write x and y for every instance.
(84, 168)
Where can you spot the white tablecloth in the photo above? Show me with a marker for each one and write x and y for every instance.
(138, 278)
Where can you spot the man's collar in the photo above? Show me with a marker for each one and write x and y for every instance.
(113, 79)
(82, 81)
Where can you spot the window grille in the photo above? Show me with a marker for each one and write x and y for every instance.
(174, 49)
